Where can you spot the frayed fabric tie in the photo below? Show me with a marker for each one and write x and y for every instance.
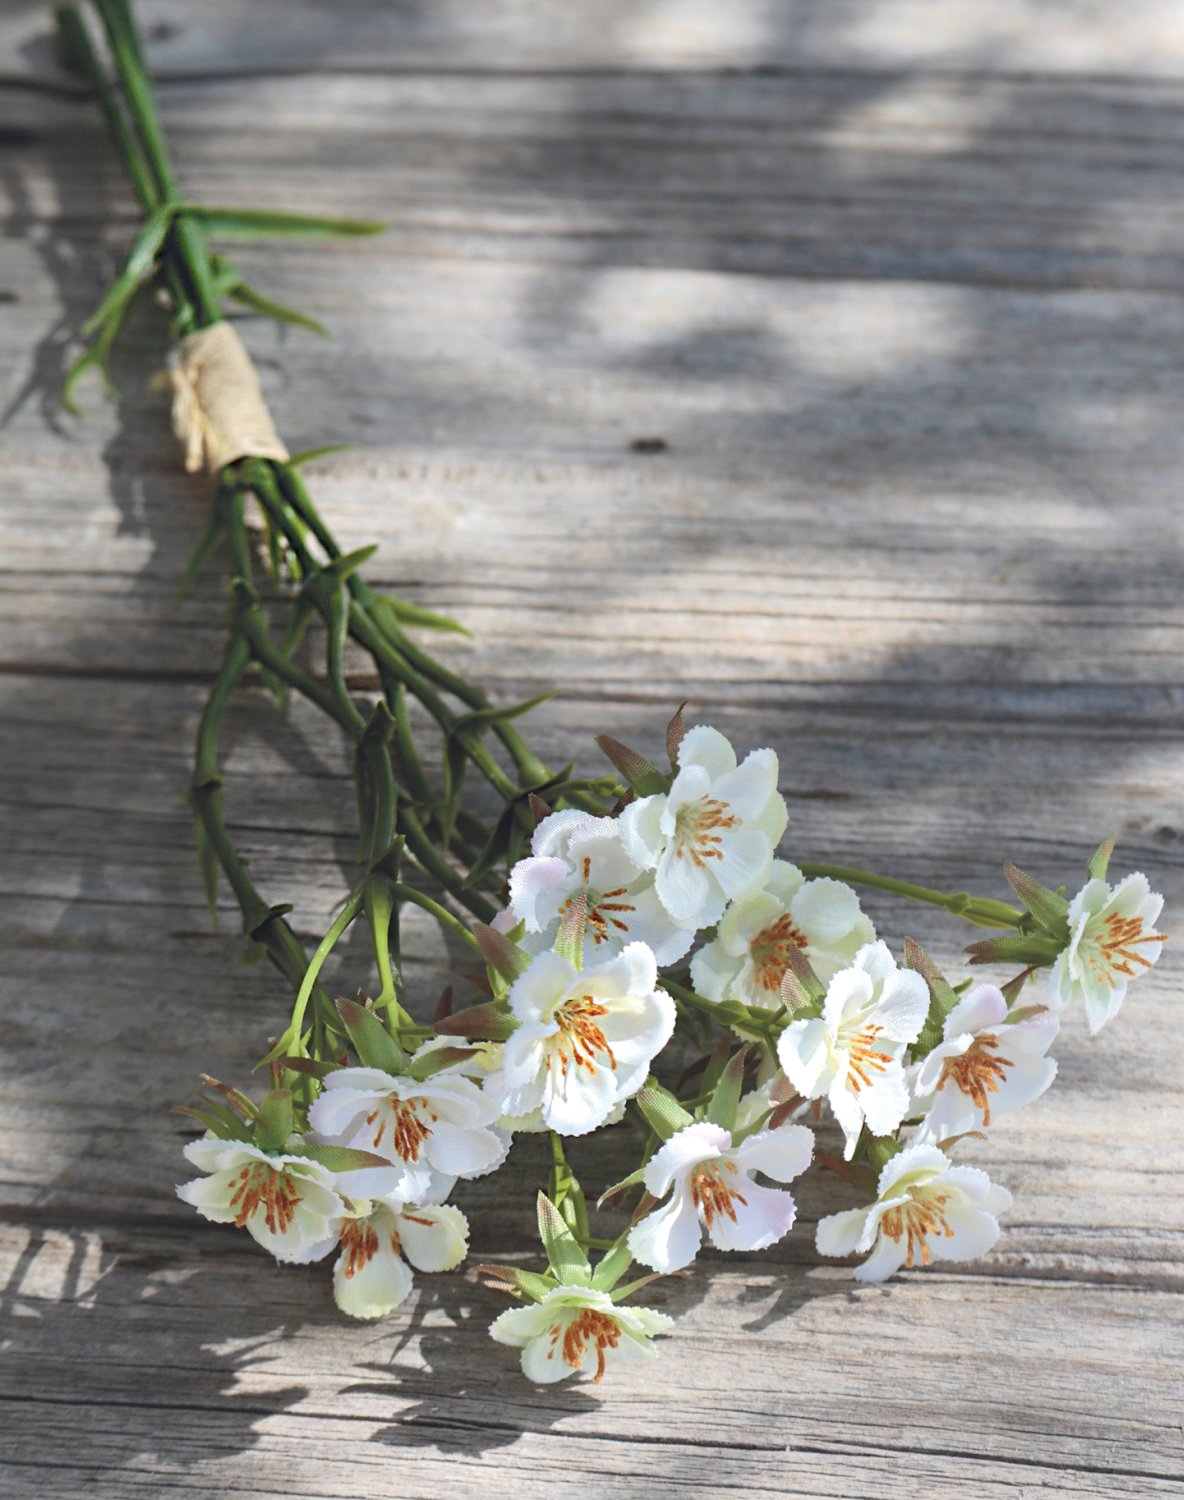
(218, 408)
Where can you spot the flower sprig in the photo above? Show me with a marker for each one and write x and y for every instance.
(648, 960)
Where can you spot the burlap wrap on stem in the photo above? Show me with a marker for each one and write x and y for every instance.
(218, 408)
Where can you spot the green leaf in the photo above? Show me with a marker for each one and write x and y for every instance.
(275, 1121)
(641, 774)
(569, 941)
(374, 785)
(488, 1022)
(242, 292)
(307, 455)
(267, 223)
(439, 1058)
(634, 1179)
(1021, 948)
(207, 860)
(1099, 861)
(568, 1263)
(502, 956)
(137, 269)
(340, 1158)
(635, 1286)
(612, 1266)
(528, 1285)
(427, 619)
(375, 1046)
(725, 1098)
(1050, 909)
(675, 731)
(942, 997)
(663, 1113)
(482, 718)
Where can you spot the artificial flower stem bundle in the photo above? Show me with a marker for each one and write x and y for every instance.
(624, 923)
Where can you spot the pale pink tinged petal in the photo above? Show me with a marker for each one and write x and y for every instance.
(542, 1358)
(747, 856)
(669, 1238)
(552, 837)
(917, 1161)
(746, 919)
(535, 993)
(683, 887)
(884, 1261)
(211, 1195)
(434, 1238)
(803, 1051)
(579, 1103)
(849, 992)
(980, 1009)
(702, 1141)
(641, 830)
(782, 1154)
(464, 1153)
(538, 888)
(649, 922)
(599, 857)
(974, 1233)
(826, 910)
(903, 1006)
(713, 971)
(847, 1112)
(748, 788)
(764, 1215)
(1032, 1038)
(885, 1100)
(930, 1071)
(839, 1234)
(706, 747)
(338, 1118)
(374, 1286)
(952, 1113)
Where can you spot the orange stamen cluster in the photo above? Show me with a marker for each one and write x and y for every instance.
(359, 1241)
(590, 1327)
(977, 1073)
(770, 952)
(409, 1130)
(579, 1034)
(1115, 950)
(917, 1219)
(712, 1195)
(695, 830)
(266, 1187)
(601, 907)
(863, 1058)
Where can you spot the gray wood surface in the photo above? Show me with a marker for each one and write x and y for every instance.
(899, 286)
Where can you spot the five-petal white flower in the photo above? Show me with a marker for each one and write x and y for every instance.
(431, 1131)
(750, 954)
(1112, 938)
(572, 1323)
(852, 1052)
(714, 1190)
(984, 1065)
(712, 836)
(927, 1209)
(573, 854)
(377, 1240)
(585, 1038)
(289, 1204)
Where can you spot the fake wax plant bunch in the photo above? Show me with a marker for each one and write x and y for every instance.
(646, 916)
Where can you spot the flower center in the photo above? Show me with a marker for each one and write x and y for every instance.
(601, 906)
(580, 1038)
(864, 1058)
(265, 1187)
(712, 1194)
(977, 1073)
(590, 1327)
(770, 951)
(359, 1241)
(1114, 948)
(918, 1219)
(409, 1130)
(695, 830)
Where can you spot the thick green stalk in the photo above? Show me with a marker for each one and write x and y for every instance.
(982, 911)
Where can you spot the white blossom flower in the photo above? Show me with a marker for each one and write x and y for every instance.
(1111, 938)
(288, 1203)
(585, 1038)
(377, 1240)
(572, 1323)
(712, 836)
(750, 954)
(984, 1066)
(431, 1131)
(573, 854)
(714, 1190)
(928, 1209)
(852, 1052)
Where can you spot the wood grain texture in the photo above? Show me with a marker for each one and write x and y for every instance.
(897, 284)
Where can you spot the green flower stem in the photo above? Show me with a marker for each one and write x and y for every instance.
(728, 1013)
(441, 913)
(980, 910)
(382, 912)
